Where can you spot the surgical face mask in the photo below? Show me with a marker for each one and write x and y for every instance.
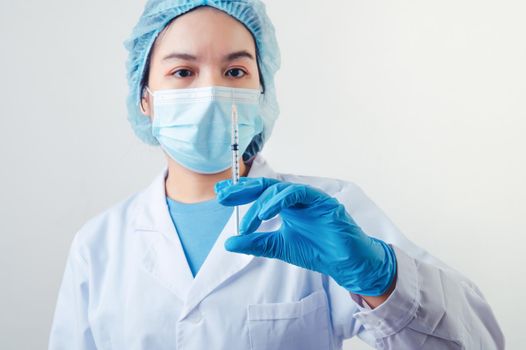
(194, 125)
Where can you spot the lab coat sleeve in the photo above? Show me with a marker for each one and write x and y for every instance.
(70, 328)
(432, 306)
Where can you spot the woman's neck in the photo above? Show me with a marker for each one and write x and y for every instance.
(186, 186)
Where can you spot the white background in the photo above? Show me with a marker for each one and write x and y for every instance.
(421, 103)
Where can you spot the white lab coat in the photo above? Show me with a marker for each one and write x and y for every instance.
(127, 285)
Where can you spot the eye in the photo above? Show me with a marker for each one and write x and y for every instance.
(182, 73)
(236, 73)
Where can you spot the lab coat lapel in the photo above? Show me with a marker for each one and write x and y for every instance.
(220, 264)
(163, 257)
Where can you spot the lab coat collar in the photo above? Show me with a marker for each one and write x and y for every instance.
(164, 256)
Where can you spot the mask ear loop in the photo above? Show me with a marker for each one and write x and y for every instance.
(151, 94)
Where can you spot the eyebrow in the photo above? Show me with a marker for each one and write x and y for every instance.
(188, 57)
(238, 54)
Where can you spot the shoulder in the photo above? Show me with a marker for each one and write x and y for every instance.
(350, 194)
(108, 229)
(363, 210)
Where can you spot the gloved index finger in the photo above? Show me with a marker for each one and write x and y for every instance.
(220, 185)
(246, 191)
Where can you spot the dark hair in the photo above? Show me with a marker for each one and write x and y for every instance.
(146, 72)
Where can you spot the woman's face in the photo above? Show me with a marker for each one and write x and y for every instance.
(205, 47)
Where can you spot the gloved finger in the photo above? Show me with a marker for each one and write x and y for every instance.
(238, 194)
(252, 218)
(266, 244)
(228, 182)
(222, 184)
(245, 186)
(246, 191)
(288, 197)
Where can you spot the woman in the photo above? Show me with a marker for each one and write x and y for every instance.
(315, 262)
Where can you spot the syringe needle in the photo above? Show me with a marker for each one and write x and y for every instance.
(235, 158)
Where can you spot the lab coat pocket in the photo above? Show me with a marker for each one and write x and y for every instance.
(303, 324)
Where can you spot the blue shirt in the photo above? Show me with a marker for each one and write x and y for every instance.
(198, 226)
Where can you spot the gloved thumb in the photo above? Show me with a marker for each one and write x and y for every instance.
(266, 244)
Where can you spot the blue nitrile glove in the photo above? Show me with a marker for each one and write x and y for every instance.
(317, 233)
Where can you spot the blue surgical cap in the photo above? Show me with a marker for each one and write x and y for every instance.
(158, 14)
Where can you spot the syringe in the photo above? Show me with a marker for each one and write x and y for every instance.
(235, 157)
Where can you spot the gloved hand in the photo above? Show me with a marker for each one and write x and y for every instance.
(316, 233)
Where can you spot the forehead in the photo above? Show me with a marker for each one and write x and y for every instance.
(204, 29)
